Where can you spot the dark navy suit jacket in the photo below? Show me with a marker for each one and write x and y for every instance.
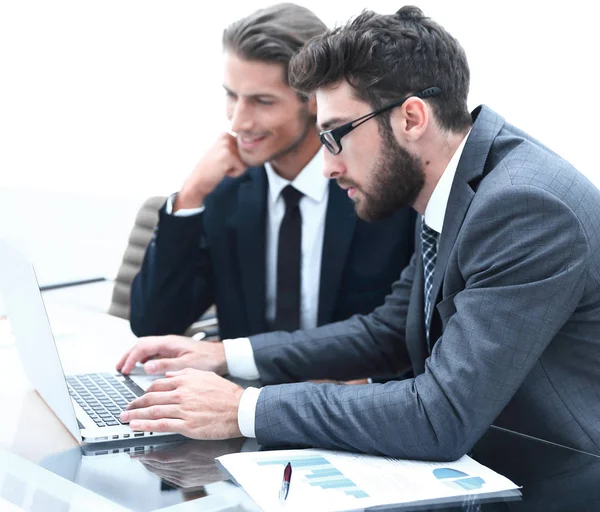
(218, 257)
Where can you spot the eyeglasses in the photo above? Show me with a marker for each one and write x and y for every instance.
(331, 139)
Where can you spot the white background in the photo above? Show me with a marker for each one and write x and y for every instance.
(104, 103)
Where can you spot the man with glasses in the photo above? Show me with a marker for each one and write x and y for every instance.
(332, 139)
(257, 229)
(498, 313)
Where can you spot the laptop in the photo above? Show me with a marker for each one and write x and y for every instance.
(88, 405)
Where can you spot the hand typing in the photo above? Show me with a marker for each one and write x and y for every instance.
(195, 403)
(161, 354)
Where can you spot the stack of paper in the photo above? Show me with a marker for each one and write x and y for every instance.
(324, 480)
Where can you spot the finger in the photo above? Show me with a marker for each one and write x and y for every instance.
(231, 140)
(156, 388)
(155, 412)
(163, 458)
(122, 360)
(142, 360)
(186, 371)
(142, 350)
(163, 425)
(145, 349)
(166, 384)
(237, 166)
(153, 398)
(228, 138)
(165, 364)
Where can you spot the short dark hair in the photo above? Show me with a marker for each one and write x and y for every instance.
(273, 34)
(384, 57)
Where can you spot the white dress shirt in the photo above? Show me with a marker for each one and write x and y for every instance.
(435, 212)
(313, 208)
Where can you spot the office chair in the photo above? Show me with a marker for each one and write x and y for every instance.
(139, 238)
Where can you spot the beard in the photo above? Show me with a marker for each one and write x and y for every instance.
(397, 179)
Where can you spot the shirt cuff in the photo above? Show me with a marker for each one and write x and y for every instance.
(247, 411)
(240, 359)
(183, 212)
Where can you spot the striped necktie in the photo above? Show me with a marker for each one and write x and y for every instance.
(429, 239)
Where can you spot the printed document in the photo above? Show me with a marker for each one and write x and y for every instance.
(324, 480)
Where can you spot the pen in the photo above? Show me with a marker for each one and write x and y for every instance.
(285, 484)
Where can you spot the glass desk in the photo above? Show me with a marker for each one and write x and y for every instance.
(182, 475)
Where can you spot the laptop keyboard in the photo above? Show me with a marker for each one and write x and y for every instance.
(103, 396)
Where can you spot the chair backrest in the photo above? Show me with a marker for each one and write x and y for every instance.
(139, 238)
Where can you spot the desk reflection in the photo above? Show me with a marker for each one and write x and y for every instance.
(189, 465)
(147, 478)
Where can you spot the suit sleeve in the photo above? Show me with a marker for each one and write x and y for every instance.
(175, 283)
(523, 277)
(353, 348)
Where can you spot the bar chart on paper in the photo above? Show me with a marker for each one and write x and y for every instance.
(318, 473)
(333, 481)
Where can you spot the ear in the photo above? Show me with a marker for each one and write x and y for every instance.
(311, 104)
(410, 121)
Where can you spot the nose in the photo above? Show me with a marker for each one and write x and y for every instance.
(334, 166)
(240, 117)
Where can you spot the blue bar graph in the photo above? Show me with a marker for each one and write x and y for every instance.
(357, 494)
(334, 484)
(291, 458)
(318, 472)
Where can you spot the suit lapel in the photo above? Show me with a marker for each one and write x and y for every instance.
(251, 245)
(339, 228)
(471, 167)
(460, 200)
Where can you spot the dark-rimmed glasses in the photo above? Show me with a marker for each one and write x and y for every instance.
(331, 139)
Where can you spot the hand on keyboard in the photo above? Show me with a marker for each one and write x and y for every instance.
(161, 354)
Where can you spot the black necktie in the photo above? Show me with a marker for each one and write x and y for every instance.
(289, 253)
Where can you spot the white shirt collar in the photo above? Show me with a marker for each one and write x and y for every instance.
(310, 181)
(435, 212)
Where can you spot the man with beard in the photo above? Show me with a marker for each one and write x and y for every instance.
(498, 312)
(256, 228)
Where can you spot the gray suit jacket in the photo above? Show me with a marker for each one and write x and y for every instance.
(515, 331)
